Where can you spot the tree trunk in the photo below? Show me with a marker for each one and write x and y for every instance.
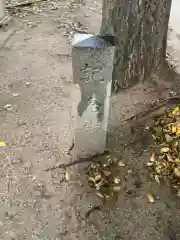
(140, 29)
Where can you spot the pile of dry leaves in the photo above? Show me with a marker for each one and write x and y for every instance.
(165, 159)
(104, 177)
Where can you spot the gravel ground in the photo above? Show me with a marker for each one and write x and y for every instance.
(37, 126)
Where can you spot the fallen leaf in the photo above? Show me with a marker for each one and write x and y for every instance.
(91, 179)
(154, 137)
(8, 107)
(67, 176)
(150, 197)
(99, 195)
(177, 172)
(157, 179)
(153, 157)
(150, 164)
(97, 178)
(168, 138)
(176, 110)
(165, 150)
(2, 144)
(174, 129)
(158, 170)
(177, 160)
(169, 158)
(178, 131)
(98, 185)
(117, 180)
(166, 163)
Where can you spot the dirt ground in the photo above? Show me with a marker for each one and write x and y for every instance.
(36, 80)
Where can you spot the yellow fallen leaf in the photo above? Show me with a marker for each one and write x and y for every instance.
(153, 157)
(178, 131)
(150, 197)
(174, 129)
(2, 144)
(165, 150)
(176, 110)
(177, 172)
(177, 160)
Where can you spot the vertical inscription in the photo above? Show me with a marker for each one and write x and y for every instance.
(91, 75)
(91, 80)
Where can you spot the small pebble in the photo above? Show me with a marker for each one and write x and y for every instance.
(15, 94)
(27, 84)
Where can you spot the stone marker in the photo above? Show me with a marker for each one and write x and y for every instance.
(92, 62)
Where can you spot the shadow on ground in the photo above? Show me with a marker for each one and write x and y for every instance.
(131, 216)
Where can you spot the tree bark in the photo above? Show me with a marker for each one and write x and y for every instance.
(140, 29)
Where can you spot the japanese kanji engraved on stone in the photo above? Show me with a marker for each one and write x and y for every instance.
(92, 61)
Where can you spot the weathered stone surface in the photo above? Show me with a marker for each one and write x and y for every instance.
(2, 10)
(92, 60)
(140, 29)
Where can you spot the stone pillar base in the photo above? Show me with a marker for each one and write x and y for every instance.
(5, 20)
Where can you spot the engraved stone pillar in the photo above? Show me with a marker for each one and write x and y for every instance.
(92, 61)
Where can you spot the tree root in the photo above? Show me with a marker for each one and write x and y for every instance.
(80, 160)
(155, 107)
(94, 208)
